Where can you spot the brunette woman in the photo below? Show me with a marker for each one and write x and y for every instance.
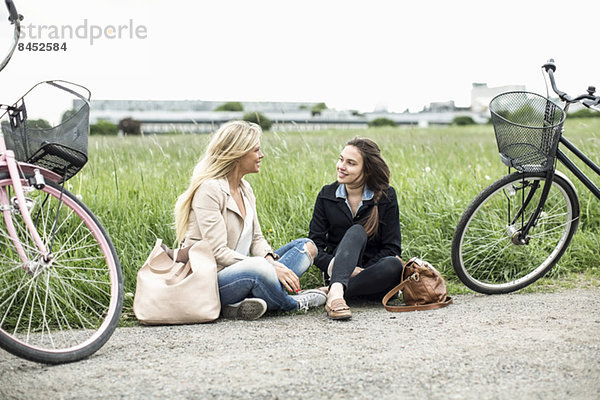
(356, 228)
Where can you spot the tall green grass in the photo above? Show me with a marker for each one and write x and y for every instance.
(132, 183)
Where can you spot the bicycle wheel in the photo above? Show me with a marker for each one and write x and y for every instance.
(64, 309)
(484, 254)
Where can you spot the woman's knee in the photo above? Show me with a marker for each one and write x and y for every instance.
(306, 246)
(354, 238)
(392, 265)
(262, 266)
(310, 248)
(356, 233)
(257, 267)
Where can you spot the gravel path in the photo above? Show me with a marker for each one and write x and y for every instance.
(519, 346)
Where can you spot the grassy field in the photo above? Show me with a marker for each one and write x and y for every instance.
(132, 183)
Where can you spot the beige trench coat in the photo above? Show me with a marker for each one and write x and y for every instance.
(215, 217)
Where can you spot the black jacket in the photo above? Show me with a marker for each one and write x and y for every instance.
(332, 217)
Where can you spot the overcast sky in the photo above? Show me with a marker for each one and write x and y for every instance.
(349, 54)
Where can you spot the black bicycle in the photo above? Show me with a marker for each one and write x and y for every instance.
(517, 228)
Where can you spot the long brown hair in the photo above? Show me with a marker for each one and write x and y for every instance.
(376, 175)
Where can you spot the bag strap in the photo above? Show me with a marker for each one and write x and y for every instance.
(178, 274)
(422, 307)
(167, 262)
(201, 256)
(405, 308)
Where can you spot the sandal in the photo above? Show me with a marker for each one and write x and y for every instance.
(338, 309)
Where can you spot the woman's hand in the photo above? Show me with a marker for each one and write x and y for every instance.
(287, 277)
(357, 270)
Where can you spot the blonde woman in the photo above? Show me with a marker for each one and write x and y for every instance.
(219, 207)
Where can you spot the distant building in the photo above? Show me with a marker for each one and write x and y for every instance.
(197, 116)
(481, 95)
(193, 105)
(441, 106)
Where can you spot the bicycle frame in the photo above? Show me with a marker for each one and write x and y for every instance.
(589, 100)
(570, 165)
(19, 171)
(562, 157)
(9, 164)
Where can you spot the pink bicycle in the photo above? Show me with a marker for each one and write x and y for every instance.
(61, 285)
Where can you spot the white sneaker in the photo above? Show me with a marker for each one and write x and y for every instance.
(310, 298)
(248, 309)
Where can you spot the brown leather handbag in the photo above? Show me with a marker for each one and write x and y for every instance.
(422, 286)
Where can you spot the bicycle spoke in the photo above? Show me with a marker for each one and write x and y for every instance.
(63, 264)
(490, 233)
(10, 300)
(73, 233)
(488, 273)
(485, 251)
(72, 290)
(23, 308)
(77, 313)
(90, 281)
(549, 232)
(57, 309)
(489, 253)
(11, 269)
(74, 247)
(45, 321)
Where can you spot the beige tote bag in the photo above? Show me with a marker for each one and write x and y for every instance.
(170, 292)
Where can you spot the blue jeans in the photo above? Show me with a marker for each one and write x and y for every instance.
(256, 277)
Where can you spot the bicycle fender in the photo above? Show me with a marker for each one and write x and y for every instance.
(566, 178)
(28, 169)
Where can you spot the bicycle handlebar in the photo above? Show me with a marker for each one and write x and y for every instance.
(15, 19)
(589, 99)
(12, 11)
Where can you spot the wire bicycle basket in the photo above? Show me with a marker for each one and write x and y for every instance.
(527, 127)
(61, 146)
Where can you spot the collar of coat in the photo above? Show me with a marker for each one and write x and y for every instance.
(230, 203)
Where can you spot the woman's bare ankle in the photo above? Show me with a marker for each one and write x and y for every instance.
(336, 291)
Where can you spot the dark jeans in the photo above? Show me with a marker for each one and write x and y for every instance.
(374, 281)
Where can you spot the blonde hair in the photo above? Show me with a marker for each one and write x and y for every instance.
(231, 142)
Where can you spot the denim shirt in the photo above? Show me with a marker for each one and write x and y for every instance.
(343, 194)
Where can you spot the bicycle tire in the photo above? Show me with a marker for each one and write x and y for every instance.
(66, 309)
(484, 254)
